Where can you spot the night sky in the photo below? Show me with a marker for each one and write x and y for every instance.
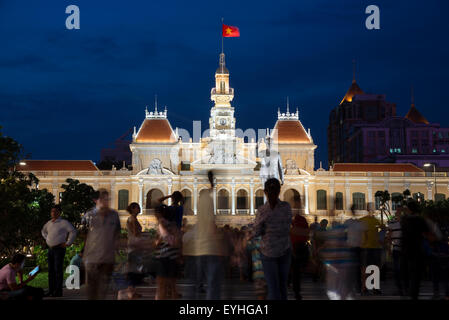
(66, 94)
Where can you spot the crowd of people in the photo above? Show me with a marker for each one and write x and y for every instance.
(273, 253)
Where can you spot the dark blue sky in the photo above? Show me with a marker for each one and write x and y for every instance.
(65, 94)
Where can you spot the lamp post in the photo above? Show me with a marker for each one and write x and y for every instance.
(434, 178)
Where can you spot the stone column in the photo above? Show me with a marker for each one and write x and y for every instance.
(430, 190)
(331, 196)
(215, 198)
(195, 196)
(370, 196)
(251, 197)
(113, 197)
(347, 197)
(141, 196)
(169, 190)
(306, 196)
(55, 191)
(233, 196)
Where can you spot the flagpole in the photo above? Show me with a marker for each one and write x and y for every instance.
(222, 21)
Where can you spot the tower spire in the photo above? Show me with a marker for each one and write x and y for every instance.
(155, 103)
(412, 96)
(288, 106)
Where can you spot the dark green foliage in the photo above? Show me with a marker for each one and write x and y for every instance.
(76, 199)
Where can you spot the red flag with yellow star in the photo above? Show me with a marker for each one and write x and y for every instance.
(230, 31)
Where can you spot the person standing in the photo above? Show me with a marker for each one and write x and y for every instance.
(371, 247)
(58, 234)
(273, 221)
(176, 207)
(101, 244)
(413, 254)
(354, 241)
(394, 235)
(299, 235)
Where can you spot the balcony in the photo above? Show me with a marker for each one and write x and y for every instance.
(213, 91)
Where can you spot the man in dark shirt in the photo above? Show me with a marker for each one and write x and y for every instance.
(414, 228)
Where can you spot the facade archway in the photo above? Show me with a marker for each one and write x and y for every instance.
(293, 197)
(242, 200)
(152, 198)
(223, 201)
(258, 199)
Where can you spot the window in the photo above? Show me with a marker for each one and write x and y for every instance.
(395, 204)
(321, 200)
(259, 198)
(339, 201)
(439, 197)
(377, 202)
(242, 199)
(123, 198)
(414, 150)
(358, 199)
(443, 151)
(223, 199)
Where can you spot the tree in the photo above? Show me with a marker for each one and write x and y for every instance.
(76, 199)
(384, 197)
(23, 208)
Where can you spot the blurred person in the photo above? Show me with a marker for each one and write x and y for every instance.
(414, 228)
(101, 245)
(177, 207)
(371, 247)
(168, 249)
(299, 235)
(207, 246)
(77, 260)
(58, 234)
(354, 240)
(8, 283)
(134, 228)
(318, 240)
(89, 214)
(394, 236)
(260, 285)
(273, 221)
(338, 259)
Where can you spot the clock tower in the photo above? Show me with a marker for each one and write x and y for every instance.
(222, 121)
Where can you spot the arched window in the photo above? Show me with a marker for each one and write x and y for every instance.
(358, 199)
(440, 197)
(123, 199)
(377, 202)
(223, 199)
(152, 198)
(321, 197)
(395, 204)
(293, 198)
(339, 201)
(242, 199)
(259, 198)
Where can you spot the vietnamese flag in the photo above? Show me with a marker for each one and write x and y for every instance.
(230, 31)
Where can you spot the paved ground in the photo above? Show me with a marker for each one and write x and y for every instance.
(234, 289)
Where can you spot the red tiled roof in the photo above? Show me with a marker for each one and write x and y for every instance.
(57, 165)
(290, 131)
(156, 130)
(377, 167)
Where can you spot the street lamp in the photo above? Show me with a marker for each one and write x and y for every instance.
(434, 177)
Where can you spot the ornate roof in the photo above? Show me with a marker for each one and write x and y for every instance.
(156, 130)
(58, 165)
(415, 116)
(353, 90)
(376, 167)
(290, 131)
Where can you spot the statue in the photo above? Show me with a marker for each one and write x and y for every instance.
(155, 167)
(271, 165)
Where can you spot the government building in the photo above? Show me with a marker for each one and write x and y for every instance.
(165, 160)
